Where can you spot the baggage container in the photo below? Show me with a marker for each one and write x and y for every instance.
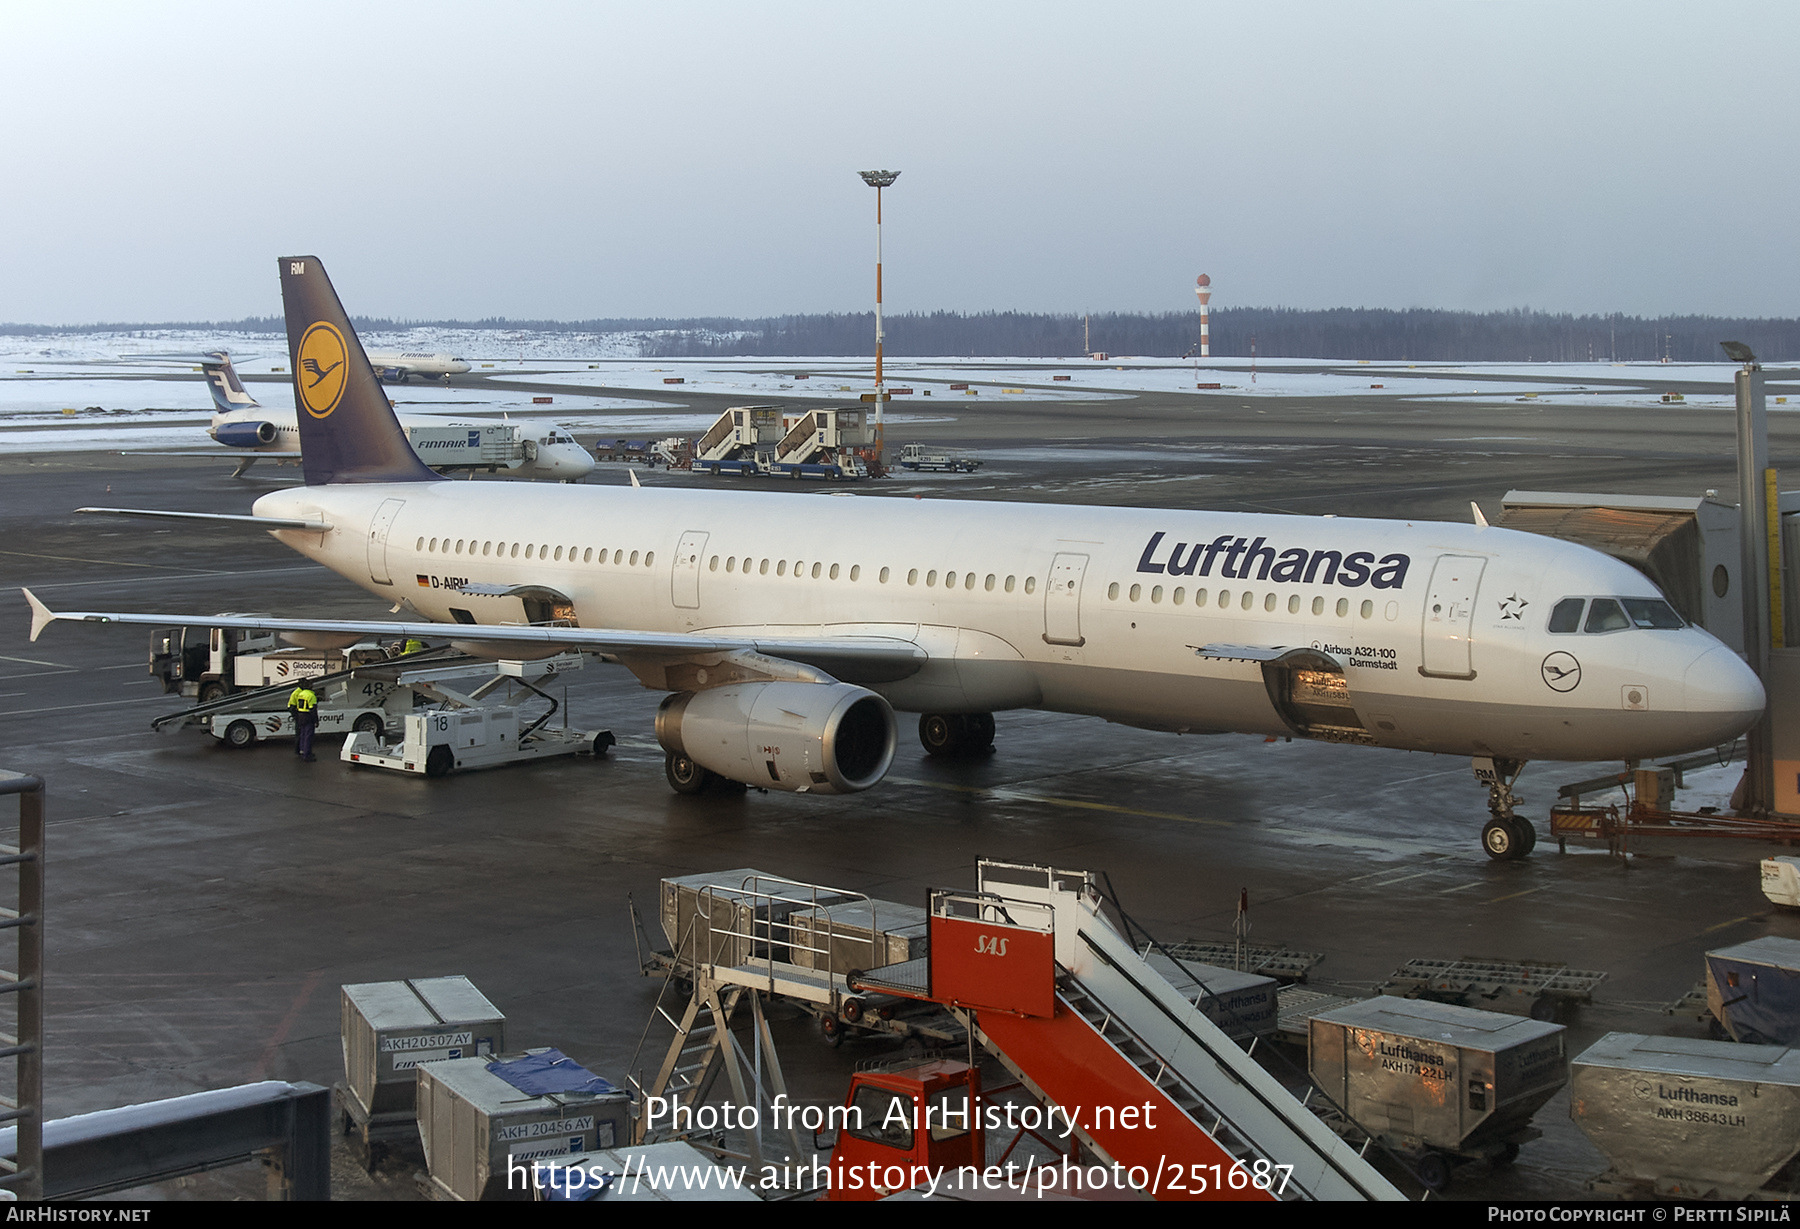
(856, 935)
(1685, 1117)
(730, 917)
(1243, 1005)
(1781, 880)
(1753, 991)
(1437, 1081)
(483, 1121)
(389, 1028)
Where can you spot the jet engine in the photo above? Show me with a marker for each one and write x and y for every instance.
(244, 434)
(823, 738)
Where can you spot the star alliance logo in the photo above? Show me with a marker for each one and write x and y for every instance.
(1513, 608)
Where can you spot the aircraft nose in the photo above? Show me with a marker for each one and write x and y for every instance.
(1718, 682)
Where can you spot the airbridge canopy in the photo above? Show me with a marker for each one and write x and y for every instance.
(1687, 545)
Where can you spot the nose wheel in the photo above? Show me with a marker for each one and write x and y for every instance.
(1507, 836)
(1508, 839)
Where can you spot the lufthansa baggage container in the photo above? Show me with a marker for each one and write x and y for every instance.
(1753, 990)
(725, 917)
(1243, 1005)
(857, 935)
(1687, 1117)
(1433, 1079)
(481, 1132)
(391, 1027)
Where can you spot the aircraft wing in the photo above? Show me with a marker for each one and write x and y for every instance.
(229, 518)
(853, 659)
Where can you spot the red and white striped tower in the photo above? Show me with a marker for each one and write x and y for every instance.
(1203, 289)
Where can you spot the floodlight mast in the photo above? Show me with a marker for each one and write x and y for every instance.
(879, 180)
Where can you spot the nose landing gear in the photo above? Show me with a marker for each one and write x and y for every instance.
(1508, 836)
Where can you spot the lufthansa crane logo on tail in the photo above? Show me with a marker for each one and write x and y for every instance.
(320, 369)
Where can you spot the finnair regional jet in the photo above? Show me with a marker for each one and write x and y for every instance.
(398, 366)
(788, 630)
(514, 450)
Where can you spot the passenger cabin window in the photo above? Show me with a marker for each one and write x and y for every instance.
(1565, 616)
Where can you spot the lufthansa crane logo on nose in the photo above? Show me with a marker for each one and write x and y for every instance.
(320, 369)
(1562, 672)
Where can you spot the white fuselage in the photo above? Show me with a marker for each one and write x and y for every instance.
(398, 365)
(558, 457)
(1440, 630)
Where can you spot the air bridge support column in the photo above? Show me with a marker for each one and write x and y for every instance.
(1758, 556)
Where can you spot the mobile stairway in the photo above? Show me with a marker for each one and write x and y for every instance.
(730, 445)
(760, 440)
(1052, 989)
(1028, 966)
(819, 445)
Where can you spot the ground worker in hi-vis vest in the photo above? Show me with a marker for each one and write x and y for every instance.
(304, 706)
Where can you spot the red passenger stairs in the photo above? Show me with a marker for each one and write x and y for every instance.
(1060, 997)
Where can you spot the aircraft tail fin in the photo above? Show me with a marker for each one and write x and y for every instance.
(228, 391)
(348, 431)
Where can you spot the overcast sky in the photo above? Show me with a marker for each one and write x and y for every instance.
(453, 160)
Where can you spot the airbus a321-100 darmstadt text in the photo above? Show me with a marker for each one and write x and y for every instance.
(788, 630)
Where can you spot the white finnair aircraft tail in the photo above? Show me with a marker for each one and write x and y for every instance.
(787, 628)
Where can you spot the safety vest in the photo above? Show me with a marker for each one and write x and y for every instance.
(302, 700)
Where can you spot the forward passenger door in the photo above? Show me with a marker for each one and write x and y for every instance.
(686, 591)
(1062, 600)
(1450, 614)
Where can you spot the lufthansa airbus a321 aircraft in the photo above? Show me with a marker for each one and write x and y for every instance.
(788, 628)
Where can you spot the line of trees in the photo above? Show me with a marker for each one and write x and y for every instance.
(1413, 334)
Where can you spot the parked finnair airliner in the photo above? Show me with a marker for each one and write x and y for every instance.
(788, 628)
(398, 366)
(537, 451)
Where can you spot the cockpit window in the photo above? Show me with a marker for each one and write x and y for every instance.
(1605, 616)
(1651, 613)
(1608, 614)
(1566, 617)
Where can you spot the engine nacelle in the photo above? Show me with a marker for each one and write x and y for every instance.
(244, 434)
(824, 738)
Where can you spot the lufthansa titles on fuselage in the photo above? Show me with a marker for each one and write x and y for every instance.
(1236, 557)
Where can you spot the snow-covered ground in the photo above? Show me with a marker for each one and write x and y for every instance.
(143, 389)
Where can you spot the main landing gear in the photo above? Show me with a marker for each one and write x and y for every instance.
(687, 777)
(1508, 836)
(956, 734)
